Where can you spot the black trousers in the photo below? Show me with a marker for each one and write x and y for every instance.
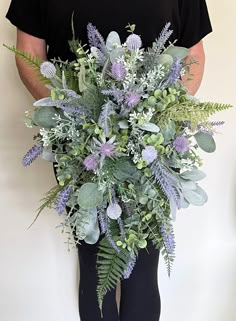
(140, 299)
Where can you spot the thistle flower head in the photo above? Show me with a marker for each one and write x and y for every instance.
(107, 149)
(48, 70)
(133, 42)
(32, 154)
(63, 198)
(91, 162)
(114, 211)
(181, 144)
(149, 154)
(118, 71)
(132, 99)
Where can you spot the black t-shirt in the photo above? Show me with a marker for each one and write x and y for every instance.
(51, 20)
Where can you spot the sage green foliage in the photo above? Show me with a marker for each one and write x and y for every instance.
(129, 129)
(89, 196)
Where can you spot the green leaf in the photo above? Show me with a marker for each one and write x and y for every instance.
(82, 82)
(124, 170)
(168, 130)
(89, 196)
(205, 141)
(93, 235)
(150, 127)
(187, 184)
(165, 59)
(43, 117)
(112, 40)
(177, 52)
(193, 175)
(197, 197)
(115, 54)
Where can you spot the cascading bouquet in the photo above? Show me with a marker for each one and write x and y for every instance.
(124, 135)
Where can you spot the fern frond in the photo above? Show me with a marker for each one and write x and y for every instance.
(48, 201)
(30, 60)
(110, 267)
(191, 111)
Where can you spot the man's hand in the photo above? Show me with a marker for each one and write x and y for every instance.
(197, 70)
(36, 47)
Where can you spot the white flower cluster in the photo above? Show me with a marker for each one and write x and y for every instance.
(149, 80)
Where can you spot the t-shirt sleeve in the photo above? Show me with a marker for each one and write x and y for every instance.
(26, 15)
(195, 22)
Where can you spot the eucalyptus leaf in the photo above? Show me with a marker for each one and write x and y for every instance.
(150, 127)
(124, 170)
(205, 141)
(177, 52)
(112, 40)
(43, 117)
(197, 197)
(94, 234)
(89, 196)
(165, 59)
(193, 175)
(188, 185)
(123, 124)
(115, 54)
(168, 130)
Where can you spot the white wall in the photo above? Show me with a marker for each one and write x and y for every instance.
(38, 279)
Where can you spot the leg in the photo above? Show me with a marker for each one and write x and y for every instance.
(88, 303)
(140, 299)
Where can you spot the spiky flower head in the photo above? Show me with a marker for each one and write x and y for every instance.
(48, 70)
(181, 144)
(114, 211)
(32, 154)
(63, 198)
(118, 71)
(149, 154)
(133, 42)
(91, 162)
(132, 99)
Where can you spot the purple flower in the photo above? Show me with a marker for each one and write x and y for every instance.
(110, 239)
(175, 72)
(107, 149)
(114, 211)
(118, 71)
(48, 70)
(103, 222)
(181, 144)
(130, 266)
(96, 39)
(149, 154)
(32, 154)
(163, 37)
(63, 198)
(132, 99)
(91, 162)
(169, 239)
(133, 42)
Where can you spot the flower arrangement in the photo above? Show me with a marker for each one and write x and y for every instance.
(124, 136)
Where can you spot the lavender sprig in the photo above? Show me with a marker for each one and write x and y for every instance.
(121, 226)
(167, 182)
(163, 37)
(32, 154)
(130, 266)
(96, 39)
(169, 239)
(102, 218)
(175, 73)
(63, 198)
(110, 238)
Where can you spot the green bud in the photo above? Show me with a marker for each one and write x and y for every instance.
(119, 243)
(152, 101)
(157, 93)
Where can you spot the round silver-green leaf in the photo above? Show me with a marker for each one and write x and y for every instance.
(205, 141)
(89, 196)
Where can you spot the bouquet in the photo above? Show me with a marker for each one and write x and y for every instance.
(124, 136)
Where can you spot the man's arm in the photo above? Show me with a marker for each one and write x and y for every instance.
(196, 52)
(37, 47)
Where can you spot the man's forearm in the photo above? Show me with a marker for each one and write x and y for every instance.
(31, 80)
(196, 70)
